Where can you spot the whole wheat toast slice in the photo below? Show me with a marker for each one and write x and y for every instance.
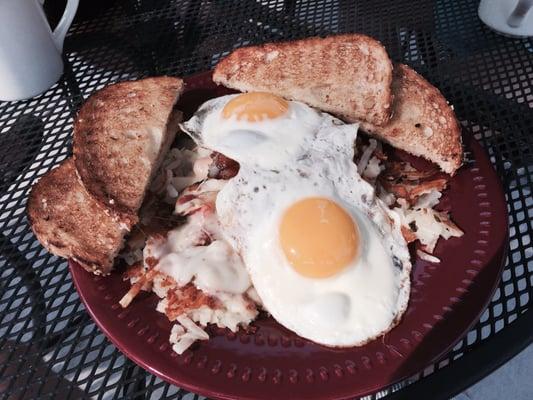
(347, 75)
(121, 134)
(423, 123)
(70, 223)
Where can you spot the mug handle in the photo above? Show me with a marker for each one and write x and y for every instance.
(64, 23)
(519, 13)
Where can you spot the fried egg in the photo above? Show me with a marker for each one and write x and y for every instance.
(324, 254)
(256, 128)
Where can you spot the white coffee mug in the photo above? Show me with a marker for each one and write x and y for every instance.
(30, 53)
(510, 17)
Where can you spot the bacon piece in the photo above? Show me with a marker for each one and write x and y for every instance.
(412, 191)
(400, 190)
(438, 184)
(222, 167)
(404, 181)
(400, 170)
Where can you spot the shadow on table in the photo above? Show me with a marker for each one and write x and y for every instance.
(25, 375)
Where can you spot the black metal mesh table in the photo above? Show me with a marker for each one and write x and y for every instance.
(49, 347)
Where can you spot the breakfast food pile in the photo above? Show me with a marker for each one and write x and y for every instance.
(278, 204)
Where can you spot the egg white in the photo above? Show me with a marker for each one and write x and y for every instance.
(268, 143)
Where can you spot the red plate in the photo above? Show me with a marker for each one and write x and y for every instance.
(446, 300)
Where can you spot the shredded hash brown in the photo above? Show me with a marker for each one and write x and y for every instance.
(411, 192)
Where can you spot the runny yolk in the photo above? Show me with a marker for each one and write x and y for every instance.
(255, 106)
(318, 237)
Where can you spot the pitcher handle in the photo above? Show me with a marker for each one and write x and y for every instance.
(64, 23)
(519, 13)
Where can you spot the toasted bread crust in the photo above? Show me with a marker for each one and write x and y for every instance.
(70, 223)
(120, 136)
(423, 123)
(347, 75)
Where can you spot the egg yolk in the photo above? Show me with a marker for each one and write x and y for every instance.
(318, 237)
(255, 106)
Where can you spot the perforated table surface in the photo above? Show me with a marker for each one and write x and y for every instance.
(50, 348)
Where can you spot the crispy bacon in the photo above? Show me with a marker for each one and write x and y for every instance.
(401, 170)
(404, 181)
(438, 184)
(222, 167)
(397, 189)
(413, 190)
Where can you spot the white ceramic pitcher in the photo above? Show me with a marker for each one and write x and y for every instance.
(30, 53)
